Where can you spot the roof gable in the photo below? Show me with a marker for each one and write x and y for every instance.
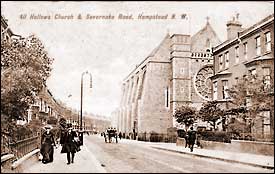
(204, 39)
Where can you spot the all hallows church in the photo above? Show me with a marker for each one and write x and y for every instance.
(175, 73)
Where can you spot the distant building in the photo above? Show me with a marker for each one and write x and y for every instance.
(45, 106)
(6, 32)
(175, 73)
(246, 51)
(97, 123)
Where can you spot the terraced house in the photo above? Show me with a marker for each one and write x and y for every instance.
(246, 51)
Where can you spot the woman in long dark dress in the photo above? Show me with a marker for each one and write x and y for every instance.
(47, 144)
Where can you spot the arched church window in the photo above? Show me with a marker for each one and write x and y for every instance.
(207, 43)
(202, 82)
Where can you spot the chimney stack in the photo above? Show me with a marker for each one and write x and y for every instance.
(233, 27)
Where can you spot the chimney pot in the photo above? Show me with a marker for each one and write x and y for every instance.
(233, 27)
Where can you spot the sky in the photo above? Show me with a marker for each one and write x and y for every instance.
(110, 49)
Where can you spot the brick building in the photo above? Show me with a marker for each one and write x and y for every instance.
(45, 106)
(175, 73)
(246, 51)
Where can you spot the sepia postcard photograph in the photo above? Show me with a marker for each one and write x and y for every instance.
(137, 86)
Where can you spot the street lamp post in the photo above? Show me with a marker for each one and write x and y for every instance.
(81, 99)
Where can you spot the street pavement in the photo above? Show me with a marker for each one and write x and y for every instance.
(130, 156)
(84, 162)
(139, 157)
(243, 158)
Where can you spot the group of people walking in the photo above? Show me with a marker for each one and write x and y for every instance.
(69, 140)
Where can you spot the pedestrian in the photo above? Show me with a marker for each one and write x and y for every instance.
(185, 136)
(70, 144)
(47, 145)
(104, 135)
(120, 135)
(191, 138)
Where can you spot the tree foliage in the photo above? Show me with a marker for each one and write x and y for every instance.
(211, 112)
(52, 120)
(185, 115)
(25, 66)
(250, 96)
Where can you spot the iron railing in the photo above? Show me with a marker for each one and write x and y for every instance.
(25, 146)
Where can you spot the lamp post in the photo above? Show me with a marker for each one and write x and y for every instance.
(78, 113)
(81, 99)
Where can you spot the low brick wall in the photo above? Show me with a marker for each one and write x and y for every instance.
(8, 165)
(156, 137)
(6, 162)
(254, 147)
(180, 142)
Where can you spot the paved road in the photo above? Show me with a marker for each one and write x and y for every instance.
(138, 157)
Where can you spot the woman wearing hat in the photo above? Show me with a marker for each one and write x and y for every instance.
(47, 143)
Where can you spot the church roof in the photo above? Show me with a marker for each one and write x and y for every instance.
(204, 38)
(159, 46)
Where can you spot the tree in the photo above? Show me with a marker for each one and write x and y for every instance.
(25, 66)
(250, 96)
(185, 115)
(211, 112)
(52, 120)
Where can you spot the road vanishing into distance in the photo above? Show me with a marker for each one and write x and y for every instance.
(130, 156)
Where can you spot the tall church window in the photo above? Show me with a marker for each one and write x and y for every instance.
(207, 44)
(167, 98)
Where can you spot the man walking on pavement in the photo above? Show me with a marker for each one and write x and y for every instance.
(191, 138)
(70, 144)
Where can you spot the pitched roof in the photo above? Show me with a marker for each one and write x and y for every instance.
(199, 40)
(158, 47)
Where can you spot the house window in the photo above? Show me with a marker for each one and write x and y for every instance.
(245, 50)
(253, 74)
(215, 90)
(248, 101)
(266, 77)
(226, 58)
(237, 58)
(221, 62)
(225, 89)
(258, 45)
(266, 123)
(268, 41)
(45, 107)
